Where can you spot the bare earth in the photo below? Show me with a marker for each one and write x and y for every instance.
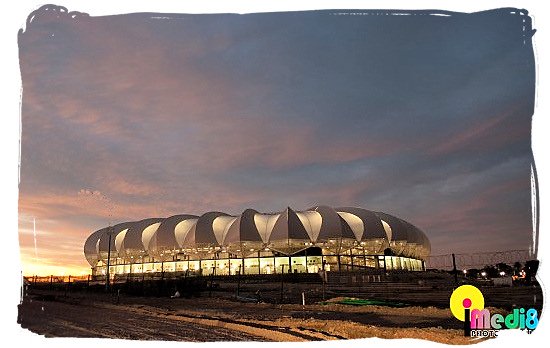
(55, 314)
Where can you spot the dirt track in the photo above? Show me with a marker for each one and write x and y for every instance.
(215, 319)
(58, 319)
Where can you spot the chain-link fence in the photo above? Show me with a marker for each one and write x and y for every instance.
(57, 279)
(478, 260)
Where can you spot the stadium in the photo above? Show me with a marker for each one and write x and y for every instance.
(216, 243)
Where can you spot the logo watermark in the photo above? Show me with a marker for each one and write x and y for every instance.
(468, 305)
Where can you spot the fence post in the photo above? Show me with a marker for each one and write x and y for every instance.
(211, 283)
(282, 281)
(239, 281)
(324, 282)
(454, 269)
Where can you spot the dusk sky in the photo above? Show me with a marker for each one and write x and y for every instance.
(424, 117)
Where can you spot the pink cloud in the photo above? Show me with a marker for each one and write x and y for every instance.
(482, 133)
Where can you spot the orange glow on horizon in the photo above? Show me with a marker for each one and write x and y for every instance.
(33, 267)
(50, 247)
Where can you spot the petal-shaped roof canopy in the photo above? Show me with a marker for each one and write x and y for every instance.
(287, 231)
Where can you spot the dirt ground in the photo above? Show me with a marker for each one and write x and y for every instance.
(83, 314)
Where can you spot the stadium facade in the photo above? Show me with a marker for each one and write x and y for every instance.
(319, 238)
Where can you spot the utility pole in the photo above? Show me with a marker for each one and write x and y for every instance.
(98, 197)
(107, 275)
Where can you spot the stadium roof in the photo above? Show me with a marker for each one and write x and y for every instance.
(287, 231)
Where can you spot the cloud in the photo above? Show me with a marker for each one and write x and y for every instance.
(127, 117)
(488, 133)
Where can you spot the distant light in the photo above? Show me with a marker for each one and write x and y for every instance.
(465, 271)
(502, 273)
(483, 274)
